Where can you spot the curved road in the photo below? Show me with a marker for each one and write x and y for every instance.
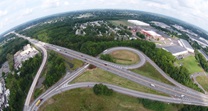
(133, 66)
(193, 76)
(32, 87)
(187, 95)
(143, 59)
(117, 89)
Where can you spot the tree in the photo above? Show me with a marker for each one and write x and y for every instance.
(140, 35)
(100, 89)
(107, 57)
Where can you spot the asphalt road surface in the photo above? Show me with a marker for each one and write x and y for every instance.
(117, 89)
(32, 87)
(187, 95)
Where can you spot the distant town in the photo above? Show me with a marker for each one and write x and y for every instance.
(76, 40)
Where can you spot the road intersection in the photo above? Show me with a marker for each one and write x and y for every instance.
(180, 94)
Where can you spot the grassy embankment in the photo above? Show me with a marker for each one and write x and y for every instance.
(85, 100)
(149, 71)
(99, 75)
(203, 81)
(191, 64)
(125, 57)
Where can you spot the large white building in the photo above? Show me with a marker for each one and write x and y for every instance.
(21, 56)
(137, 22)
(186, 45)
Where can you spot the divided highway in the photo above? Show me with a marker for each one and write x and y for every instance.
(186, 95)
(32, 87)
(117, 89)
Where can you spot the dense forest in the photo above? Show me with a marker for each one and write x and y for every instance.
(55, 69)
(19, 84)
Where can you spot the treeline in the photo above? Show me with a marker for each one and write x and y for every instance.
(140, 35)
(107, 57)
(202, 61)
(100, 89)
(161, 106)
(19, 84)
(55, 69)
(11, 48)
(153, 105)
(193, 108)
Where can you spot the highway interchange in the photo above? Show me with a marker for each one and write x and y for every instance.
(178, 94)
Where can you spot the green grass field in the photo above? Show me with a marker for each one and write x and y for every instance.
(99, 75)
(125, 57)
(86, 100)
(191, 64)
(122, 22)
(149, 71)
(203, 81)
(83, 99)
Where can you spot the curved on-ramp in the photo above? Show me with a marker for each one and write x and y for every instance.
(117, 89)
(133, 66)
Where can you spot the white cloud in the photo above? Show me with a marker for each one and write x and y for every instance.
(28, 11)
(3, 12)
(50, 4)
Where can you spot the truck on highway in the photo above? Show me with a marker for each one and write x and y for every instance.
(38, 102)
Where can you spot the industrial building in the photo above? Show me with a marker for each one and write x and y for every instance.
(186, 45)
(199, 41)
(21, 56)
(137, 22)
(152, 34)
(176, 50)
(160, 24)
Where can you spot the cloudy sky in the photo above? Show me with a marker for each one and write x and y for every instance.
(15, 12)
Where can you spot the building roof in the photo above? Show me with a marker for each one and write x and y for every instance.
(175, 49)
(137, 22)
(186, 44)
(152, 33)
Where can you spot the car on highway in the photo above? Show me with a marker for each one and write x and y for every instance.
(152, 85)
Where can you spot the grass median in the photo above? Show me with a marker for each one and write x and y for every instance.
(149, 71)
(99, 75)
(125, 57)
(190, 63)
